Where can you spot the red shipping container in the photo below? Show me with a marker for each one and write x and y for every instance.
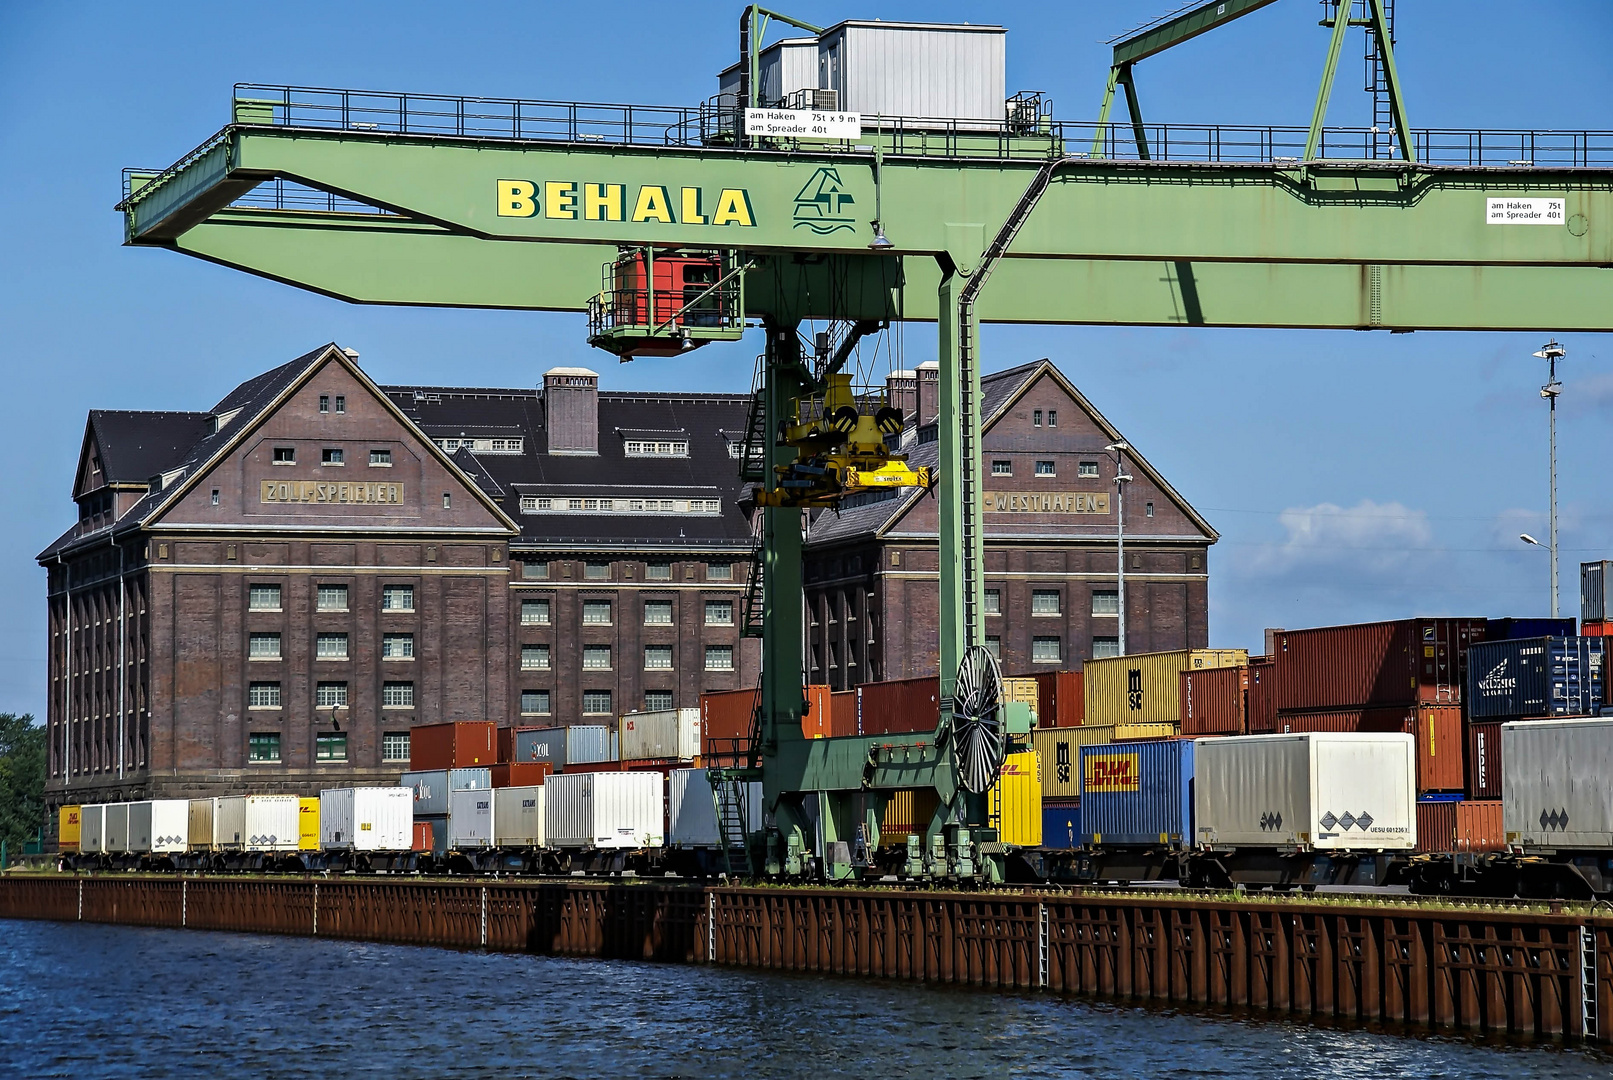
(1484, 760)
(522, 773)
(462, 744)
(898, 706)
(1596, 628)
(1213, 701)
(1261, 705)
(725, 720)
(1438, 730)
(422, 836)
(1411, 661)
(1478, 825)
(843, 712)
(818, 722)
(1436, 825)
(1060, 699)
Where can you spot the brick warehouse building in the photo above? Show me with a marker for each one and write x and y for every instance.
(268, 595)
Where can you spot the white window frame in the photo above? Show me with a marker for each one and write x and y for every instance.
(538, 654)
(540, 609)
(1052, 468)
(252, 596)
(270, 689)
(387, 593)
(1043, 639)
(719, 650)
(1040, 597)
(590, 653)
(327, 637)
(389, 740)
(400, 692)
(610, 703)
(261, 636)
(720, 620)
(545, 696)
(660, 651)
(590, 607)
(387, 639)
(319, 597)
(338, 692)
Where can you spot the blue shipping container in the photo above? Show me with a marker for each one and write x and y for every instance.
(1505, 629)
(1137, 793)
(1061, 825)
(1543, 676)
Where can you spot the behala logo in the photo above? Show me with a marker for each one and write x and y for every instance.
(821, 203)
(1498, 681)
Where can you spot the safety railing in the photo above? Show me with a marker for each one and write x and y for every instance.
(289, 195)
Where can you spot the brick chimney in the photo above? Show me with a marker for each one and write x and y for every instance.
(929, 391)
(571, 401)
(902, 389)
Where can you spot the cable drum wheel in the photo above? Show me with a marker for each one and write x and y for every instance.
(979, 743)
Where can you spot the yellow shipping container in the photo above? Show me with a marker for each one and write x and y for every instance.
(67, 825)
(1021, 689)
(308, 825)
(907, 812)
(1145, 688)
(1060, 751)
(1016, 800)
(1123, 732)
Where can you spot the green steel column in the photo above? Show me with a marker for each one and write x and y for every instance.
(960, 406)
(1330, 70)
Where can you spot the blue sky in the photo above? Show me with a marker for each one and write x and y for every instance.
(1352, 475)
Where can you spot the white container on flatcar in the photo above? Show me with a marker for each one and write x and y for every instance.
(692, 810)
(518, 816)
(1557, 787)
(470, 818)
(92, 829)
(257, 822)
(115, 833)
(605, 810)
(667, 735)
(1325, 791)
(159, 826)
(366, 819)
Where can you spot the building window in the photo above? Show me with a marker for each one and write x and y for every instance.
(596, 657)
(534, 613)
(395, 746)
(1002, 468)
(263, 695)
(534, 703)
(328, 695)
(1105, 646)
(381, 458)
(324, 403)
(596, 570)
(1036, 418)
(719, 658)
(397, 695)
(331, 598)
(1087, 470)
(657, 701)
(1105, 602)
(596, 612)
(331, 646)
(657, 657)
(341, 403)
(534, 658)
(447, 501)
(596, 703)
(483, 446)
(263, 646)
(719, 613)
(285, 455)
(994, 645)
(263, 746)
(215, 497)
(994, 601)
(534, 568)
(719, 571)
(1045, 468)
(1045, 602)
(330, 746)
(397, 647)
(652, 448)
(1052, 418)
(263, 598)
(657, 613)
(397, 598)
(1149, 509)
(331, 455)
(658, 570)
(1047, 650)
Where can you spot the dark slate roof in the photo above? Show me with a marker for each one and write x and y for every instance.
(471, 466)
(135, 446)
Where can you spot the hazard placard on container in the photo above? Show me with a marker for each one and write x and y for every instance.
(803, 124)
(1512, 211)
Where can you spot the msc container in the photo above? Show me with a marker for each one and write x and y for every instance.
(672, 735)
(898, 706)
(199, 824)
(367, 818)
(1436, 822)
(1542, 676)
(1061, 825)
(1060, 699)
(1213, 701)
(1595, 590)
(1555, 791)
(470, 819)
(308, 824)
(1016, 800)
(1331, 791)
(908, 812)
(462, 744)
(921, 71)
(605, 810)
(1262, 706)
(69, 827)
(431, 788)
(1060, 750)
(692, 809)
(577, 744)
(256, 822)
(1484, 760)
(159, 826)
(518, 816)
(1144, 688)
(1411, 661)
(92, 829)
(521, 773)
(1503, 629)
(1137, 793)
(115, 833)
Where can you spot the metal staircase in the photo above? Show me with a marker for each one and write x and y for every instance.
(729, 788)
(751, 624)
(753, 455)
(1377, 84)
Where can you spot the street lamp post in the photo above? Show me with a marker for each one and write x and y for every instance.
(1551, 352)
(1122, 478)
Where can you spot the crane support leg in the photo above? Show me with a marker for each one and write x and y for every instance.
(960, 546)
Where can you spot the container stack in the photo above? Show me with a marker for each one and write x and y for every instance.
(1596, 599)
(456, 804)
(1060, 699)
(1140, 695)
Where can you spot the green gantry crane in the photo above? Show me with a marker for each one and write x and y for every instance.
(385, 198)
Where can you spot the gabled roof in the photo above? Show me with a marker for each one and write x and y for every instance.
(134, 446)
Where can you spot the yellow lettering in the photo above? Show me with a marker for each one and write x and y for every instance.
(733, 208)
(602, 202)
(559, 200)
(691, 207)
(515, 198)
(653, 204)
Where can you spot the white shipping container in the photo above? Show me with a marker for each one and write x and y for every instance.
(92, 829)
(1328, 791)
(159, 826)
(257, 822)
(930, 71)
(115, 833)
(518, 817)
(692, 809)
(199, 823)
(782, 68)
(470, 819)
(1555, 789)
(672, 735)
(605, 810)
(366, 819)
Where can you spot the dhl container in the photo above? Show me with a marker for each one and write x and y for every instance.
(1484, 760)
(1137, 793)
(843, 711)
(1060, 700)
(422, 836)
(1438, 729)
(1410, 661)
(1262, 701)
(1213, 701)
(1129, 732)
(308, 824)
(521, 773)
(1022, 689)
(1060, 750)
(726, 718)
(1436, 823)
(1478, 825)
(899, 706)
(67, 828)
(817, 722)
(463, 744)
(1144, 688)
(1061, 824)
(908, 812)
(1016, 800)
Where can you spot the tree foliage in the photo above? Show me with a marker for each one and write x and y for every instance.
(22, 780)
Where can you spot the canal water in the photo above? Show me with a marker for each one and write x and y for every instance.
(90, 1001)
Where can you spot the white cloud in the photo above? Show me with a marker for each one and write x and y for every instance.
(1370, 538)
